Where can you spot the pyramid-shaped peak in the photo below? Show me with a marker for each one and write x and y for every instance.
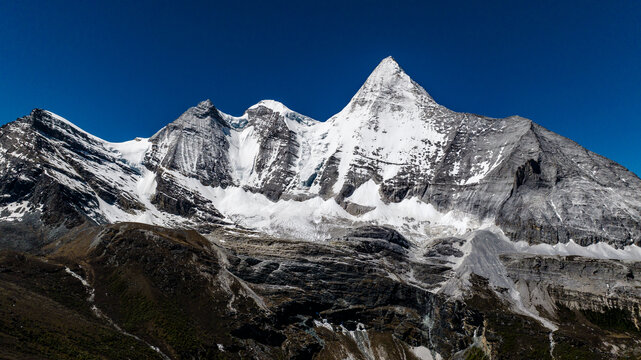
(387, 74)
(387, 68)
(388, 64)
(204, 111)
(205, 108)
(389, 81)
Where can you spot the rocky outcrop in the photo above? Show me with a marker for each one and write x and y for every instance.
(195, 145)
(255, 298)
(278, 149)
(53, 178)
(379, 237)
(578, 283)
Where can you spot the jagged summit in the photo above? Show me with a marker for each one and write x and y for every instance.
(277, 107)
(263, 111)
(389, 59)
(45, 116)
(57, 126)
(201, 119)
(204, 109)
(205, 103)
(390, 83)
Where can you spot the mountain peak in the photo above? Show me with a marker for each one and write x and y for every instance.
(204, 109)
(388, 79)
(53, 122)
(205, 105)
(388, 66)
(275, 106)
(388, 83)
(278, 107)
(199, 118)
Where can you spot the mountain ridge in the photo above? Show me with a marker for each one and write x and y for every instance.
(396, 229)
(392, 133)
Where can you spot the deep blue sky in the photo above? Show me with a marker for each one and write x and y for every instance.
(121, 70)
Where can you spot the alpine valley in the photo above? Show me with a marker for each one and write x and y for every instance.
(396, 229)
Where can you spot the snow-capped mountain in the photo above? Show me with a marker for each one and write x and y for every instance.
(391, 156)
(449, 233)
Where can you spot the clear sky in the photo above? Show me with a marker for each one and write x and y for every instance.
(121, 69)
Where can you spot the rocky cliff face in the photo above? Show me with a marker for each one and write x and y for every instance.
(56, 177)
(365, 295)
(194, 145)
(276, 134)
(588, 285)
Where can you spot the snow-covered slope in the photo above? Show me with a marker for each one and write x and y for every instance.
(391, 156)
(390, 125)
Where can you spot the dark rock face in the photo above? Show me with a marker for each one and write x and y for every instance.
(342, 286)
(444, 247)
(195, 145)
(380, 232)
(328, 175)
(175, 199)
(49, 168)
(277, 154)
(345, 285)
(186, 295)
